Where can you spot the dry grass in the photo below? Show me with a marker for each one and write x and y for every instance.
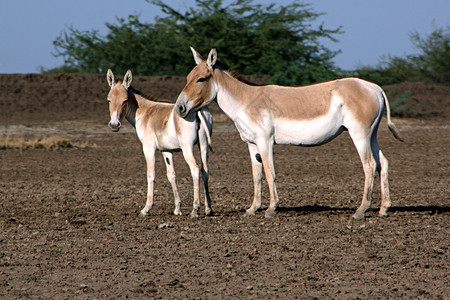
(46, 142)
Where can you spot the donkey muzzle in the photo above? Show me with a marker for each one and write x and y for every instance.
(181, 109)
(182, 106)
(114, 126)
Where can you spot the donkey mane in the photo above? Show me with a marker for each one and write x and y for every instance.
(224, 67)
(148, 97)
(145, 96)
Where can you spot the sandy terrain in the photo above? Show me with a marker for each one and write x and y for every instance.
(70, 227)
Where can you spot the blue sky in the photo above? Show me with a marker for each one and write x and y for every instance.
(373, 28)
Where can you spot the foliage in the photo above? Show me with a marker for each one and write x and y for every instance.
(432, 64)
(276, 40)
(399, 107)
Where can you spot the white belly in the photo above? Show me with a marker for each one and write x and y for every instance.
(310, 132)
(306, 133)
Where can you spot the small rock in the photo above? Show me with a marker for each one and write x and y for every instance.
(165, 225)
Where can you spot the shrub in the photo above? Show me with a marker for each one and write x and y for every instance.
(432, 64)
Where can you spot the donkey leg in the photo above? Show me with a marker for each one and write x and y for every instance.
(369, 166)
(149, 153)
(382, 165)
(204, 153)
(257, 177)
(266, 150)
(195, 172)
(384, 178)
(171, 176)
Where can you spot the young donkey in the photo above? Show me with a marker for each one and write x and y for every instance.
(160, 128)
(305, 115)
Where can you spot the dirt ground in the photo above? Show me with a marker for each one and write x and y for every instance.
(70, 227)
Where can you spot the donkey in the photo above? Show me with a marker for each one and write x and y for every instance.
(308, 115)
(158, 127)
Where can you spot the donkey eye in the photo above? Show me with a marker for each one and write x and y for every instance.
(202, 79)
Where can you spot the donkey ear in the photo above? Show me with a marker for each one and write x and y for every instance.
(212, 58)
(110, 78)
(197, 57)
(127, 79)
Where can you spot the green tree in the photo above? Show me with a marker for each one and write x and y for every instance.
(434, 61)
(278, 41)
(431, 64)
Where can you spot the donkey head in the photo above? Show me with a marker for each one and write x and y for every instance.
(200, 88)
(118, 99)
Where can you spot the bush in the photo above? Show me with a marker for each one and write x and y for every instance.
(432, 64)
(399, 107)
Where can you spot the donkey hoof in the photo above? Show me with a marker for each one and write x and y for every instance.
(177, 213)
(194, 214)
(141, 214)
(270, 214)
(358, 216)
(382, 215)
(249, 213)
(209, 212)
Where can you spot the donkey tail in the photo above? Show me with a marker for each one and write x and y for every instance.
(205, 128)
(390, 124)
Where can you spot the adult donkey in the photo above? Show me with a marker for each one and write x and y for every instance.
(305, 115)
(159, 128)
